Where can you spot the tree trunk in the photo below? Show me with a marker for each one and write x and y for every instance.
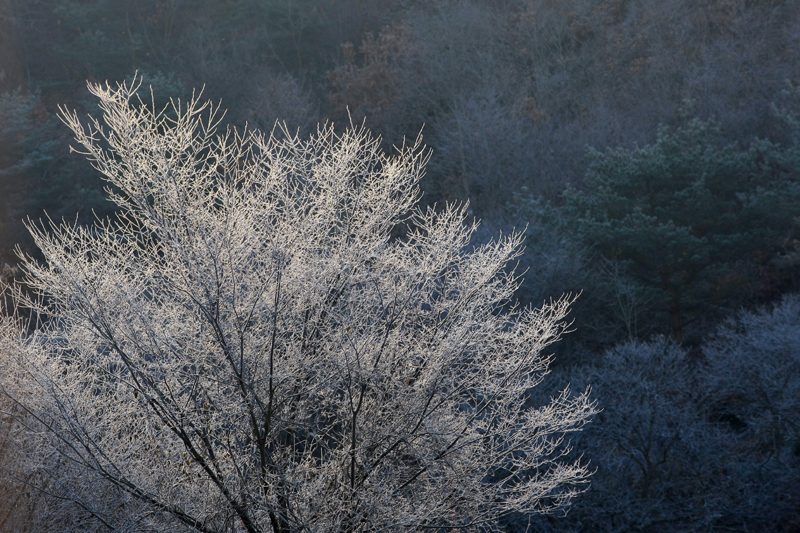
(676, 318)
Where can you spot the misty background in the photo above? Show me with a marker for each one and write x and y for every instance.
(650, 148)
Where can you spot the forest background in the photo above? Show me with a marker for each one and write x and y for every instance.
(650, 146)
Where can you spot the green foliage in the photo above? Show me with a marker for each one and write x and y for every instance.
(612, 306)
(693, 219)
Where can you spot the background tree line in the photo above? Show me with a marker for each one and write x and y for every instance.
(650, 147)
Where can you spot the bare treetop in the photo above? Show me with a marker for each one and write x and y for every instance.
(247, 348)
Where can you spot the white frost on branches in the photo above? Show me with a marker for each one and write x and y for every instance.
(247, 348)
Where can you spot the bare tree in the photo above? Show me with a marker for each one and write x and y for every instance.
(246, 347)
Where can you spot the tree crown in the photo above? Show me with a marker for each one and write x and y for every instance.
(247, 344)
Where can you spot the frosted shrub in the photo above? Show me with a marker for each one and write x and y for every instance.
(754, 371)
(753, 398)
(650, 444)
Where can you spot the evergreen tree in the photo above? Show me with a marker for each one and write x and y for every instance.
(699, 222)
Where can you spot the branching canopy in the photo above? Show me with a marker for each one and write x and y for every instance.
(247, 347)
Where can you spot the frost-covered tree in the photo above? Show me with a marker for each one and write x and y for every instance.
(247, 347)
(763, 345)
(657, 459)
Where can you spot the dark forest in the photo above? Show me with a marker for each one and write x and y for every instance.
(651, 149)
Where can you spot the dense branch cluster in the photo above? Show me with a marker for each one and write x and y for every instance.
(247, 347)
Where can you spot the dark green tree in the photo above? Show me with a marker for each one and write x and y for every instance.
(702, 223)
